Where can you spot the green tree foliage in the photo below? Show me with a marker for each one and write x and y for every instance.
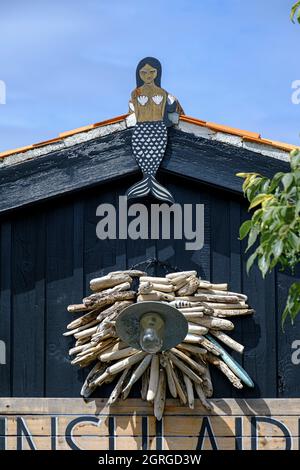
(275, 224)
(295, 12)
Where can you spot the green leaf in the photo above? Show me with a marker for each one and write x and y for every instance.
(250, 182)
(294, 241)
(257, 216)
(244, 228)
(295, 152)
(277, 248)
(263, 264)
(275, 181)
(294, 10)
(287, 181)
(250, 261)
(295, 159)
(246, 175)
(259, 199)
(264, 185)
(252, 237)
(292, 308)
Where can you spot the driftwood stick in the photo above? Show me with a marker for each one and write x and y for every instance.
(192, 349)
(207, 383)
(218, 298)
(179, 282)
(145, 384)
(183, 367)
(108, 333)
(154, 378)
(119, 287)
(236, 368)
(232, 313)
(155, 296)
(160, 397)
(88, 387)
(95, 348)
(148, 287)
(190, 391)
(132, 272)
(183, 304)
(129, 361)
(190, 287)
(226, 306)
(99, 301)
(222, 293)
(202, 397)
(76, 349)
(110, 280)
(84, 320)
(181, 273)
(180, 390)
(78, 308)
(228, 341)
(215, 323)
(197, 329)
(114, 309)
(82, 341)
(115, 355)
(100, 379)
(187, 310)
(137, 373)
(192, 316)
(145, 287)
(195, 339)
(157, 280)
(191, 299)
(113, 346)
(208, 285)
(192, 364)
(225, 370)
(118, 388)
(170, 379)
(210, 346)
(84, 333)
(80, 328)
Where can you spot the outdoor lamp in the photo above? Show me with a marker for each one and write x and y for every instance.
(151, 326)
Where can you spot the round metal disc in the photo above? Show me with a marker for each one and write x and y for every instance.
(128, 323)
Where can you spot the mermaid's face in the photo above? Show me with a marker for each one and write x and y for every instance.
(148, 74)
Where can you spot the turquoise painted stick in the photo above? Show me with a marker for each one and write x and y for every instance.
(234, 366)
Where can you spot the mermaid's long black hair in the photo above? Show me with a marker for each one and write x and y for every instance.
(155, 64)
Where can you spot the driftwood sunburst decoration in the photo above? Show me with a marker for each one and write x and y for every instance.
(184, 370)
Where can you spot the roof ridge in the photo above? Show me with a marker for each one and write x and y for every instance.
(244, 134)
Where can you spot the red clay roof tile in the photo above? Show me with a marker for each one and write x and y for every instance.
(246, 135)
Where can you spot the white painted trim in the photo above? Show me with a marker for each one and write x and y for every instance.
(184, 126)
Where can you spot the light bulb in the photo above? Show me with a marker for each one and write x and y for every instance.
(152, 333)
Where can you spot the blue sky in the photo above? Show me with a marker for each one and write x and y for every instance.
(68, 63)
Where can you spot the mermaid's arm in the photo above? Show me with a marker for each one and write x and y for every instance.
(131, 118)
(171, 104)
(172, 111)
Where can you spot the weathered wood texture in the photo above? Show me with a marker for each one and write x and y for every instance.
(72, 424)
(50, 252)
(104, 159)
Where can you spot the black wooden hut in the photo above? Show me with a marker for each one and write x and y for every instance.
(49, 250)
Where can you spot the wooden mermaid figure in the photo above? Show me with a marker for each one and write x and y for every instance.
(153, 110)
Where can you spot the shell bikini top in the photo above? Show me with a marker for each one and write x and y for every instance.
(150, 107)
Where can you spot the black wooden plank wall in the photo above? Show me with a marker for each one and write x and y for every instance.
(50, 252)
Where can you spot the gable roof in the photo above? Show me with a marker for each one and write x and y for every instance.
(210, 130)
(101, 153)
